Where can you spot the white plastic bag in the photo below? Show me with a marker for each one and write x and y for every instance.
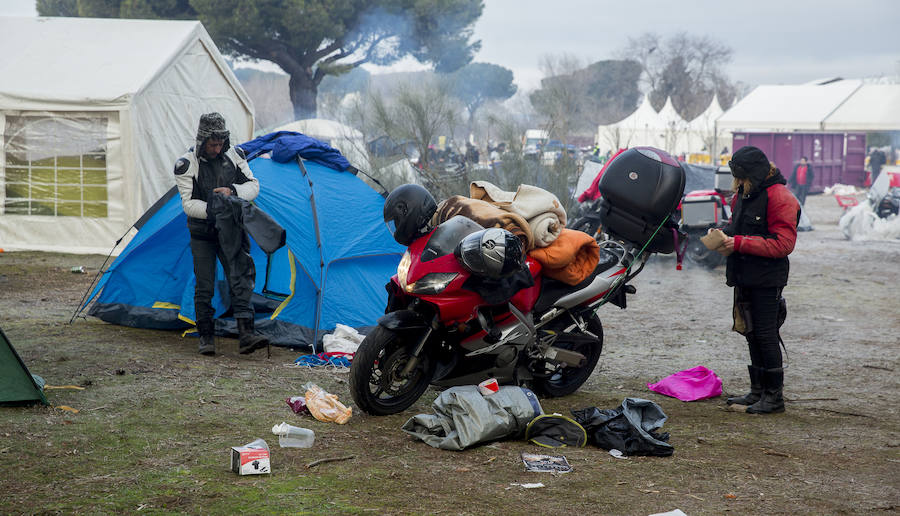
(344, 340)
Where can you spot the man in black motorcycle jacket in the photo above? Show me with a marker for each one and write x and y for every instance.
(211, 168)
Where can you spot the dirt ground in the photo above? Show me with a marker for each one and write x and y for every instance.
(156, 420)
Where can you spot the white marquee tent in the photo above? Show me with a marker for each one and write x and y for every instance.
(702, 135)
(872, 107)
(794, 107)
(93, 115)
(642, 127)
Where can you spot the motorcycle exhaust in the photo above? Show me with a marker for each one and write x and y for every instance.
(565, 356)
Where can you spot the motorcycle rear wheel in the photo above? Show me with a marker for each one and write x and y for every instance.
(375, 381)
(568, 379)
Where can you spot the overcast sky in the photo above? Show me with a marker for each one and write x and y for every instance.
(774, 41)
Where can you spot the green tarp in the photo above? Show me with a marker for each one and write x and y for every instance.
(17, 386)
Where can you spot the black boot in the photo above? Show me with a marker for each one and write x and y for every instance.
(206, 331)
(772, 400)
(248, 341)
(756, 388)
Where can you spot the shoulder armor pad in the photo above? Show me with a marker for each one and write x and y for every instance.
(181, 166)
(240, 152)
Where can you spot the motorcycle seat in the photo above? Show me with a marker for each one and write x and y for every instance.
(552, 290)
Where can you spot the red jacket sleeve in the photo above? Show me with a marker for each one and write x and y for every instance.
(782, 214)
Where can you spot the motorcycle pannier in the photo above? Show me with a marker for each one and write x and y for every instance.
(640, 188)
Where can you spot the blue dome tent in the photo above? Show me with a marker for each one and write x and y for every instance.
(337, 258)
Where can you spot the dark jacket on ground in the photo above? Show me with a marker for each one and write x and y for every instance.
(792, 182)
(764, 227)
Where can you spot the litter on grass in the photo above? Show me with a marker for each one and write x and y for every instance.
(546, 463)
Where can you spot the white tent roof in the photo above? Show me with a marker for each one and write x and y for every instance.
(873, 107)
(132, 90)
(788, 107)
(79, 62)
(669, 117)
(643, 117)
(705, 120)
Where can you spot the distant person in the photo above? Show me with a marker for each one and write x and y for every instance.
(760, 236)
(877, 159)
(471, 154)
(801, 179)
(212, 167)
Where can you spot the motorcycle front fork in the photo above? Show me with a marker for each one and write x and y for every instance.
(413, 361)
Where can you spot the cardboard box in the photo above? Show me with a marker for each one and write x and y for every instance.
(251, 459)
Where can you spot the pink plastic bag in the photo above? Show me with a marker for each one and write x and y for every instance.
(697, 383)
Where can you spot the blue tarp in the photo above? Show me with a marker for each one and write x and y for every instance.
(285, 146)
(338, 257)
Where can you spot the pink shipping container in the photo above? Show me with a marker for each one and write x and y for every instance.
(835, 157)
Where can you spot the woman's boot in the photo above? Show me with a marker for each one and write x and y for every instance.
(248, 341)
(756, 388)
(207, 333)
(772, 400)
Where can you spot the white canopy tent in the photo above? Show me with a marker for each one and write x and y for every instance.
(93, 115)
(872, 107)
(642, 127)
(675, 135)
(702, 135)
(800, 107)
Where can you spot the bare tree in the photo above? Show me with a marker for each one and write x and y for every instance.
(419, 114)
(687, 68)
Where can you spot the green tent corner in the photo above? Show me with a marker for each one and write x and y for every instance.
(17, 386)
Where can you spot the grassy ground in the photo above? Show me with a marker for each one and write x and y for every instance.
(156, 420)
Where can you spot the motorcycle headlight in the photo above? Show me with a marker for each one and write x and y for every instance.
(433, 283)
(403, 270)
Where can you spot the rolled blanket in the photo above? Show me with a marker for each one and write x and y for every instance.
(540, 208)
(485, 214)
(571, 258)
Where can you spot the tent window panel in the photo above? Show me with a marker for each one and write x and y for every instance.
(72, 209)
(94, 209)
(94, 193)
(95, 161)
(43, 208)
(56, 165)
(17, 207)
(69, 193)
(16, 191)
(46, 176)
(68, 176)
(43, 192)
(16, 175)
(95, 177)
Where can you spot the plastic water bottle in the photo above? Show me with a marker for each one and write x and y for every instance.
(293, 437)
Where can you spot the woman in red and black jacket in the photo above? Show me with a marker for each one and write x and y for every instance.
(761, 235)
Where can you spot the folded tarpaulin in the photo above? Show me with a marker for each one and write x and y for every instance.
(630, 428)
(464, 417)
(286, 146)
(697, 383)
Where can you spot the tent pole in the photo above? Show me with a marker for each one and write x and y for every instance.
(321, 286)
(100, 271)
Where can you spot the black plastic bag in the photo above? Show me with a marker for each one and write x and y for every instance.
(631, 428)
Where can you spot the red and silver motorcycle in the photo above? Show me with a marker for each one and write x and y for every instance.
(449, 322)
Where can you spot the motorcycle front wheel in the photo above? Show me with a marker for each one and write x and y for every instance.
(376, 381)
(567, 380)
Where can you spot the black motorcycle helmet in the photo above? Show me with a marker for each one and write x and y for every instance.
(491, 252)
(410, 208)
